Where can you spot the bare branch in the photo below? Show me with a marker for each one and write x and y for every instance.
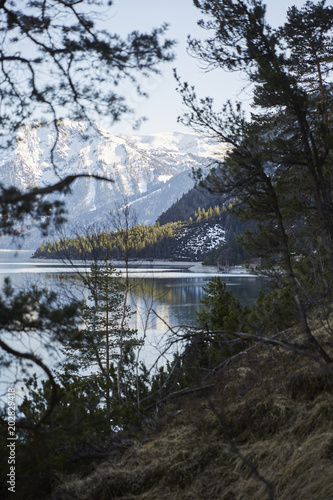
(270, 340)
(246, 461)
(54, 392)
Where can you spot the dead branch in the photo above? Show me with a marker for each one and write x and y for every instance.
(181, 392)
(246, 461)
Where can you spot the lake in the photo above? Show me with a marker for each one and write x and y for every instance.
(173, 290)
(164, 295)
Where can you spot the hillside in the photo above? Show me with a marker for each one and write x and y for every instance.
(210, 234)
(196, 227)
(228, 249)
(188, 204)
(174, 241)
(261, 429)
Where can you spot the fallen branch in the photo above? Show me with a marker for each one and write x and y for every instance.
(269, 340)
(181, 392)
(246, 461)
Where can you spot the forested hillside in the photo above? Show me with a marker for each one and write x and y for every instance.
(152, 241)
(207, 234)
(188, 204)
(197, 206)
(191, 240)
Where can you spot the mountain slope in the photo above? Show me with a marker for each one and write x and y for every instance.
(188, 204)
(150, 172)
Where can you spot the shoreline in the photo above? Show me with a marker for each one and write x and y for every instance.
(137, 265)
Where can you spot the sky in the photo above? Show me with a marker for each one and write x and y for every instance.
(164, 104)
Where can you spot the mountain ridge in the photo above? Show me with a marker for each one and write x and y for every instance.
(150, 172)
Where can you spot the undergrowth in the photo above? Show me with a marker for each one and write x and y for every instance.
(268, 422)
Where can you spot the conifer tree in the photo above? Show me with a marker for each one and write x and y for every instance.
(54, 61)
(105, 339)
(278, 170)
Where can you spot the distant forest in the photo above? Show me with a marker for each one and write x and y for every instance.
(184, 209)
(161, 240)
(152, 241)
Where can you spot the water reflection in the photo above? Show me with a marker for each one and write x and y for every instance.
(178, 300)
(158, 297)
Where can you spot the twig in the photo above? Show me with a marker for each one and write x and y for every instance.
(181, 392)
(270, 340)
(252, 467)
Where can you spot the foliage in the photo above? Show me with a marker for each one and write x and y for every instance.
(76, 429)
(153, 241)
(33, 323)
(207, 345)
(223, 317)
(188, 204)
(105, 340)
(221, 308)
(98, 388)
(67, 42)
(33, 318)
(272, 313)
(278, 169)
(56, 62)
(223, 313)
(262, 407)
(277, 173)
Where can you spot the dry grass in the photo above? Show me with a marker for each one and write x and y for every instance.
(271, 407)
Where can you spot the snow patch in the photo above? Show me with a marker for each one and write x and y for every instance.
(142, 187)
(164, 178)
(198, 240)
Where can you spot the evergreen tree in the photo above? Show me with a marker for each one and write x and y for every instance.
(278, 170)
(54, 65)
(222, 311)
(105, 341)
(222, 315)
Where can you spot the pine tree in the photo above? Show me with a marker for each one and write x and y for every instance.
(105, 339)
(278, 170)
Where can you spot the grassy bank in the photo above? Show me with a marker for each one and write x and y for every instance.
(265, 430)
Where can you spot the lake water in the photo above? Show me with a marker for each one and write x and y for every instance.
(162, 298)
(173, 290)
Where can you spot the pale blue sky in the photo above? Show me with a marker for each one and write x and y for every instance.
(164, 104)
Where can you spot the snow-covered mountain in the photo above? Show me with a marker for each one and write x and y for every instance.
(150, 172)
